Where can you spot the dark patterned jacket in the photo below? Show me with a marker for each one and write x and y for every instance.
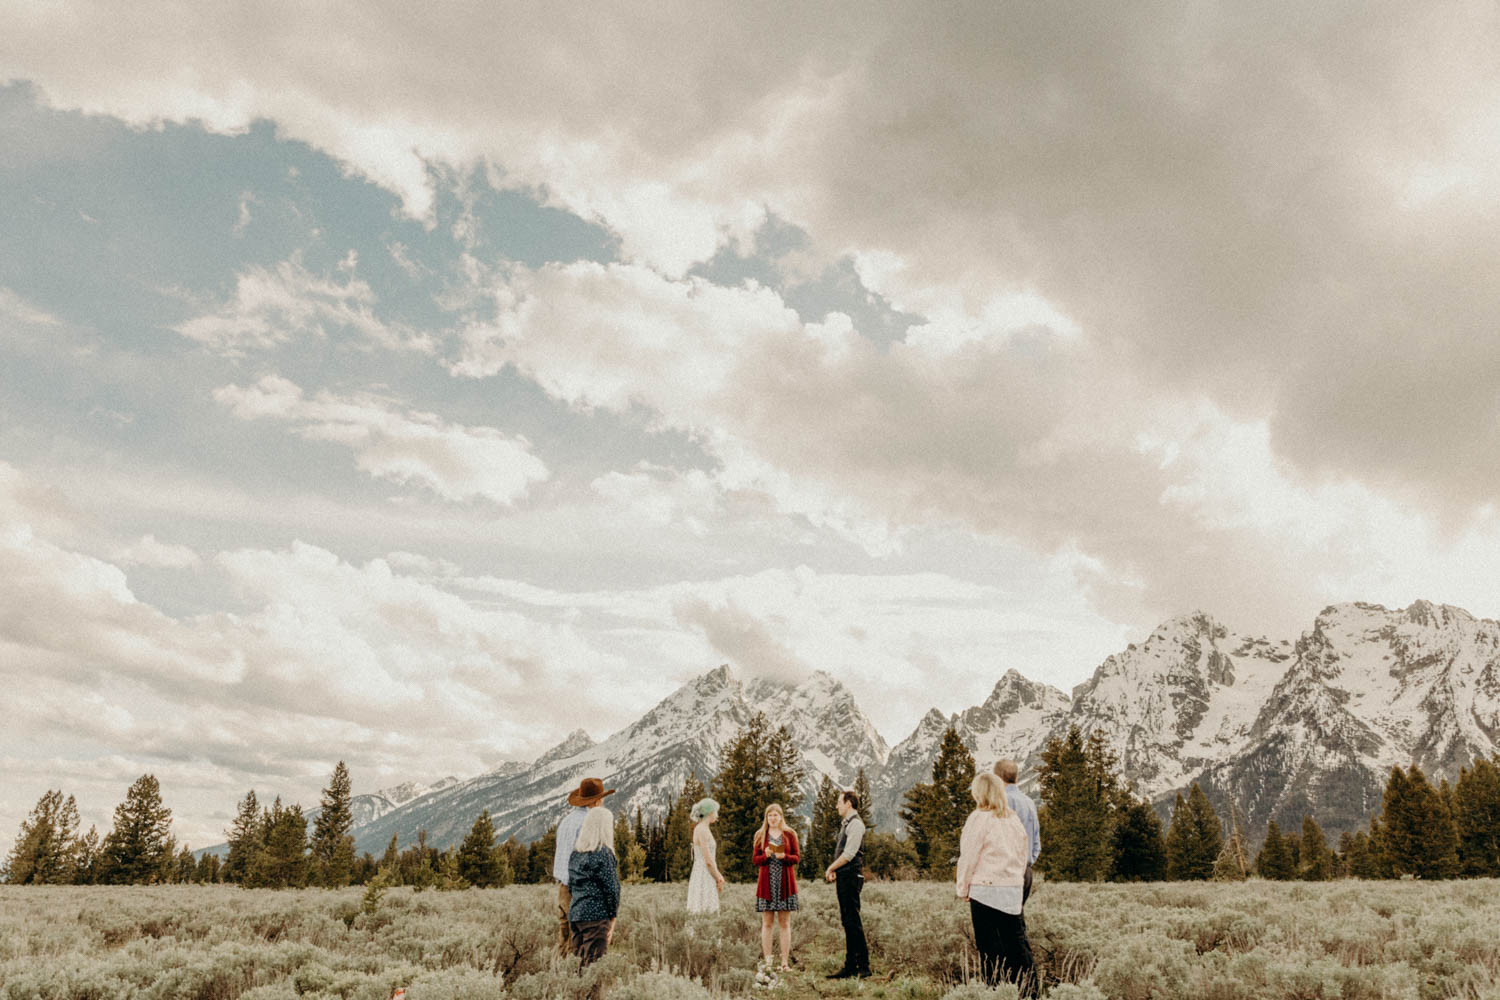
(594, 879)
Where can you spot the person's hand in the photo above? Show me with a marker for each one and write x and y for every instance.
(829, 875)
(719, 883)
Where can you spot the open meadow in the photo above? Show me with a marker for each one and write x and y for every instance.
(1175, 941)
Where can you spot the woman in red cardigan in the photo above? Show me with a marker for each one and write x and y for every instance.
(776, 855)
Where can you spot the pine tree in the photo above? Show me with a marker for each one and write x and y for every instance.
(862, 789)
(391, 859)
(47, 848)
(1195, 838)
(823, 831)
(624, 836)
(186, 867)
(656, 850)
(740, 788)
(1417, 833)
(679, 832)
(934, 812)
(785, 777)
(332, 844)
(1233, 863)
(137, 851)
(1079, 791)
(1358, 859)
(539, 859)
(87, 872)
(477, 862)
(1140, 852)
(513, 859)
(1274, 860)
(282, 862)
(245, 839)
(207, 871)
(1316, 864)
(1476, 804)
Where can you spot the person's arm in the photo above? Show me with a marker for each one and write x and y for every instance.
(854, 837)
(970, 842)
(700, 841)
(1035, 830)
(758, 855)
(793, 853)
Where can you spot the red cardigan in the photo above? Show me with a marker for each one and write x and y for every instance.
(788, 868)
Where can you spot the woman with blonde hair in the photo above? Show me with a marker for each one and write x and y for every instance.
(992, 854)
(594, 878)
(776, 855)
(705, 883)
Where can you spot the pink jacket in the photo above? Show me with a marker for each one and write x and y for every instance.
(991, 851)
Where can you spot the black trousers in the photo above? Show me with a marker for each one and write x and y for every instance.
(856, 952)
(590, 939)
(1004, 951)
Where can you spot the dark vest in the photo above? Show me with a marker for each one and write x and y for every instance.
(855, 864)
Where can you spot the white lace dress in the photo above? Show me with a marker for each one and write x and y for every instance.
(703, 895)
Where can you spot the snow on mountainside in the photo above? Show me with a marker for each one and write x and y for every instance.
(1013, 721)
(648, 761)
(1371, 688)
(1276, 728)
(1180, 702)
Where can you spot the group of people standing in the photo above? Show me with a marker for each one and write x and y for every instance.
(997, 848)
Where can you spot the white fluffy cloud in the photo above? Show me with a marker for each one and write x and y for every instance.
(1025, 433)
(1293, 215)
(271, 306)
(454, 461)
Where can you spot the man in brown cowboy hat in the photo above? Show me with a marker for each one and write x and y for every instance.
(590, 792)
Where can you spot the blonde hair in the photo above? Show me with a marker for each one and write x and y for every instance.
(989, 793)
(598, 831)
(765, 824)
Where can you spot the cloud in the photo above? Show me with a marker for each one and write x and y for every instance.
(15, 309)
(454, 461)
(161, 555)
(272, 306)
(1021, 433)
(745, 640)
(1292, 216)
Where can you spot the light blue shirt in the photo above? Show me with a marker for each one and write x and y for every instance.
(1025, 811)
(567, 836)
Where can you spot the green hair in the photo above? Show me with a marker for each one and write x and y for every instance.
(703, 808)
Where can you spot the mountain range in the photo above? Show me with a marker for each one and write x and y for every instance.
(1274, 727)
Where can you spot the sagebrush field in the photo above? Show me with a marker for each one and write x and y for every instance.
(1346, 940)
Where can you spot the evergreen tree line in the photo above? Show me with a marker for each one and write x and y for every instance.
(1093, 829)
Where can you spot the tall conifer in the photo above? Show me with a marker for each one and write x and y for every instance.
(1476, 803)
(332, 845)
(1274, 860)
(1314, 861)
(1195, 838)
(246, 838)
(138, 850)
(1079, 791)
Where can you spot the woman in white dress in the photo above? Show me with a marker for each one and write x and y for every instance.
(705, 883)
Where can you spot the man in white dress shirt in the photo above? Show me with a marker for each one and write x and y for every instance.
(1008, 771)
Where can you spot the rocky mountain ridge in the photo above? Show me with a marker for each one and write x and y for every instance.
(1276, 727)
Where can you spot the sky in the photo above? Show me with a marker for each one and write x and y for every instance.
(412, 386)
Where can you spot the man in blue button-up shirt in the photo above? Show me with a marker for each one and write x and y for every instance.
(1008, 771)
(590, 792)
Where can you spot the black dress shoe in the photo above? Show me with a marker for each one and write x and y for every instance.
(864, 974)
(842, 974)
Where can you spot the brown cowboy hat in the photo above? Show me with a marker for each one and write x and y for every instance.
(589, 792)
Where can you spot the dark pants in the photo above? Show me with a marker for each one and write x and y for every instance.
(590, 939)
(1026, 885)
(856, 952)
(1004, 951)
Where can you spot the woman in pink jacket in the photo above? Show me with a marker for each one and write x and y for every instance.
(992, 855)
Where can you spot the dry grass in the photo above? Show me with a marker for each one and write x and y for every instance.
(1345, 940)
